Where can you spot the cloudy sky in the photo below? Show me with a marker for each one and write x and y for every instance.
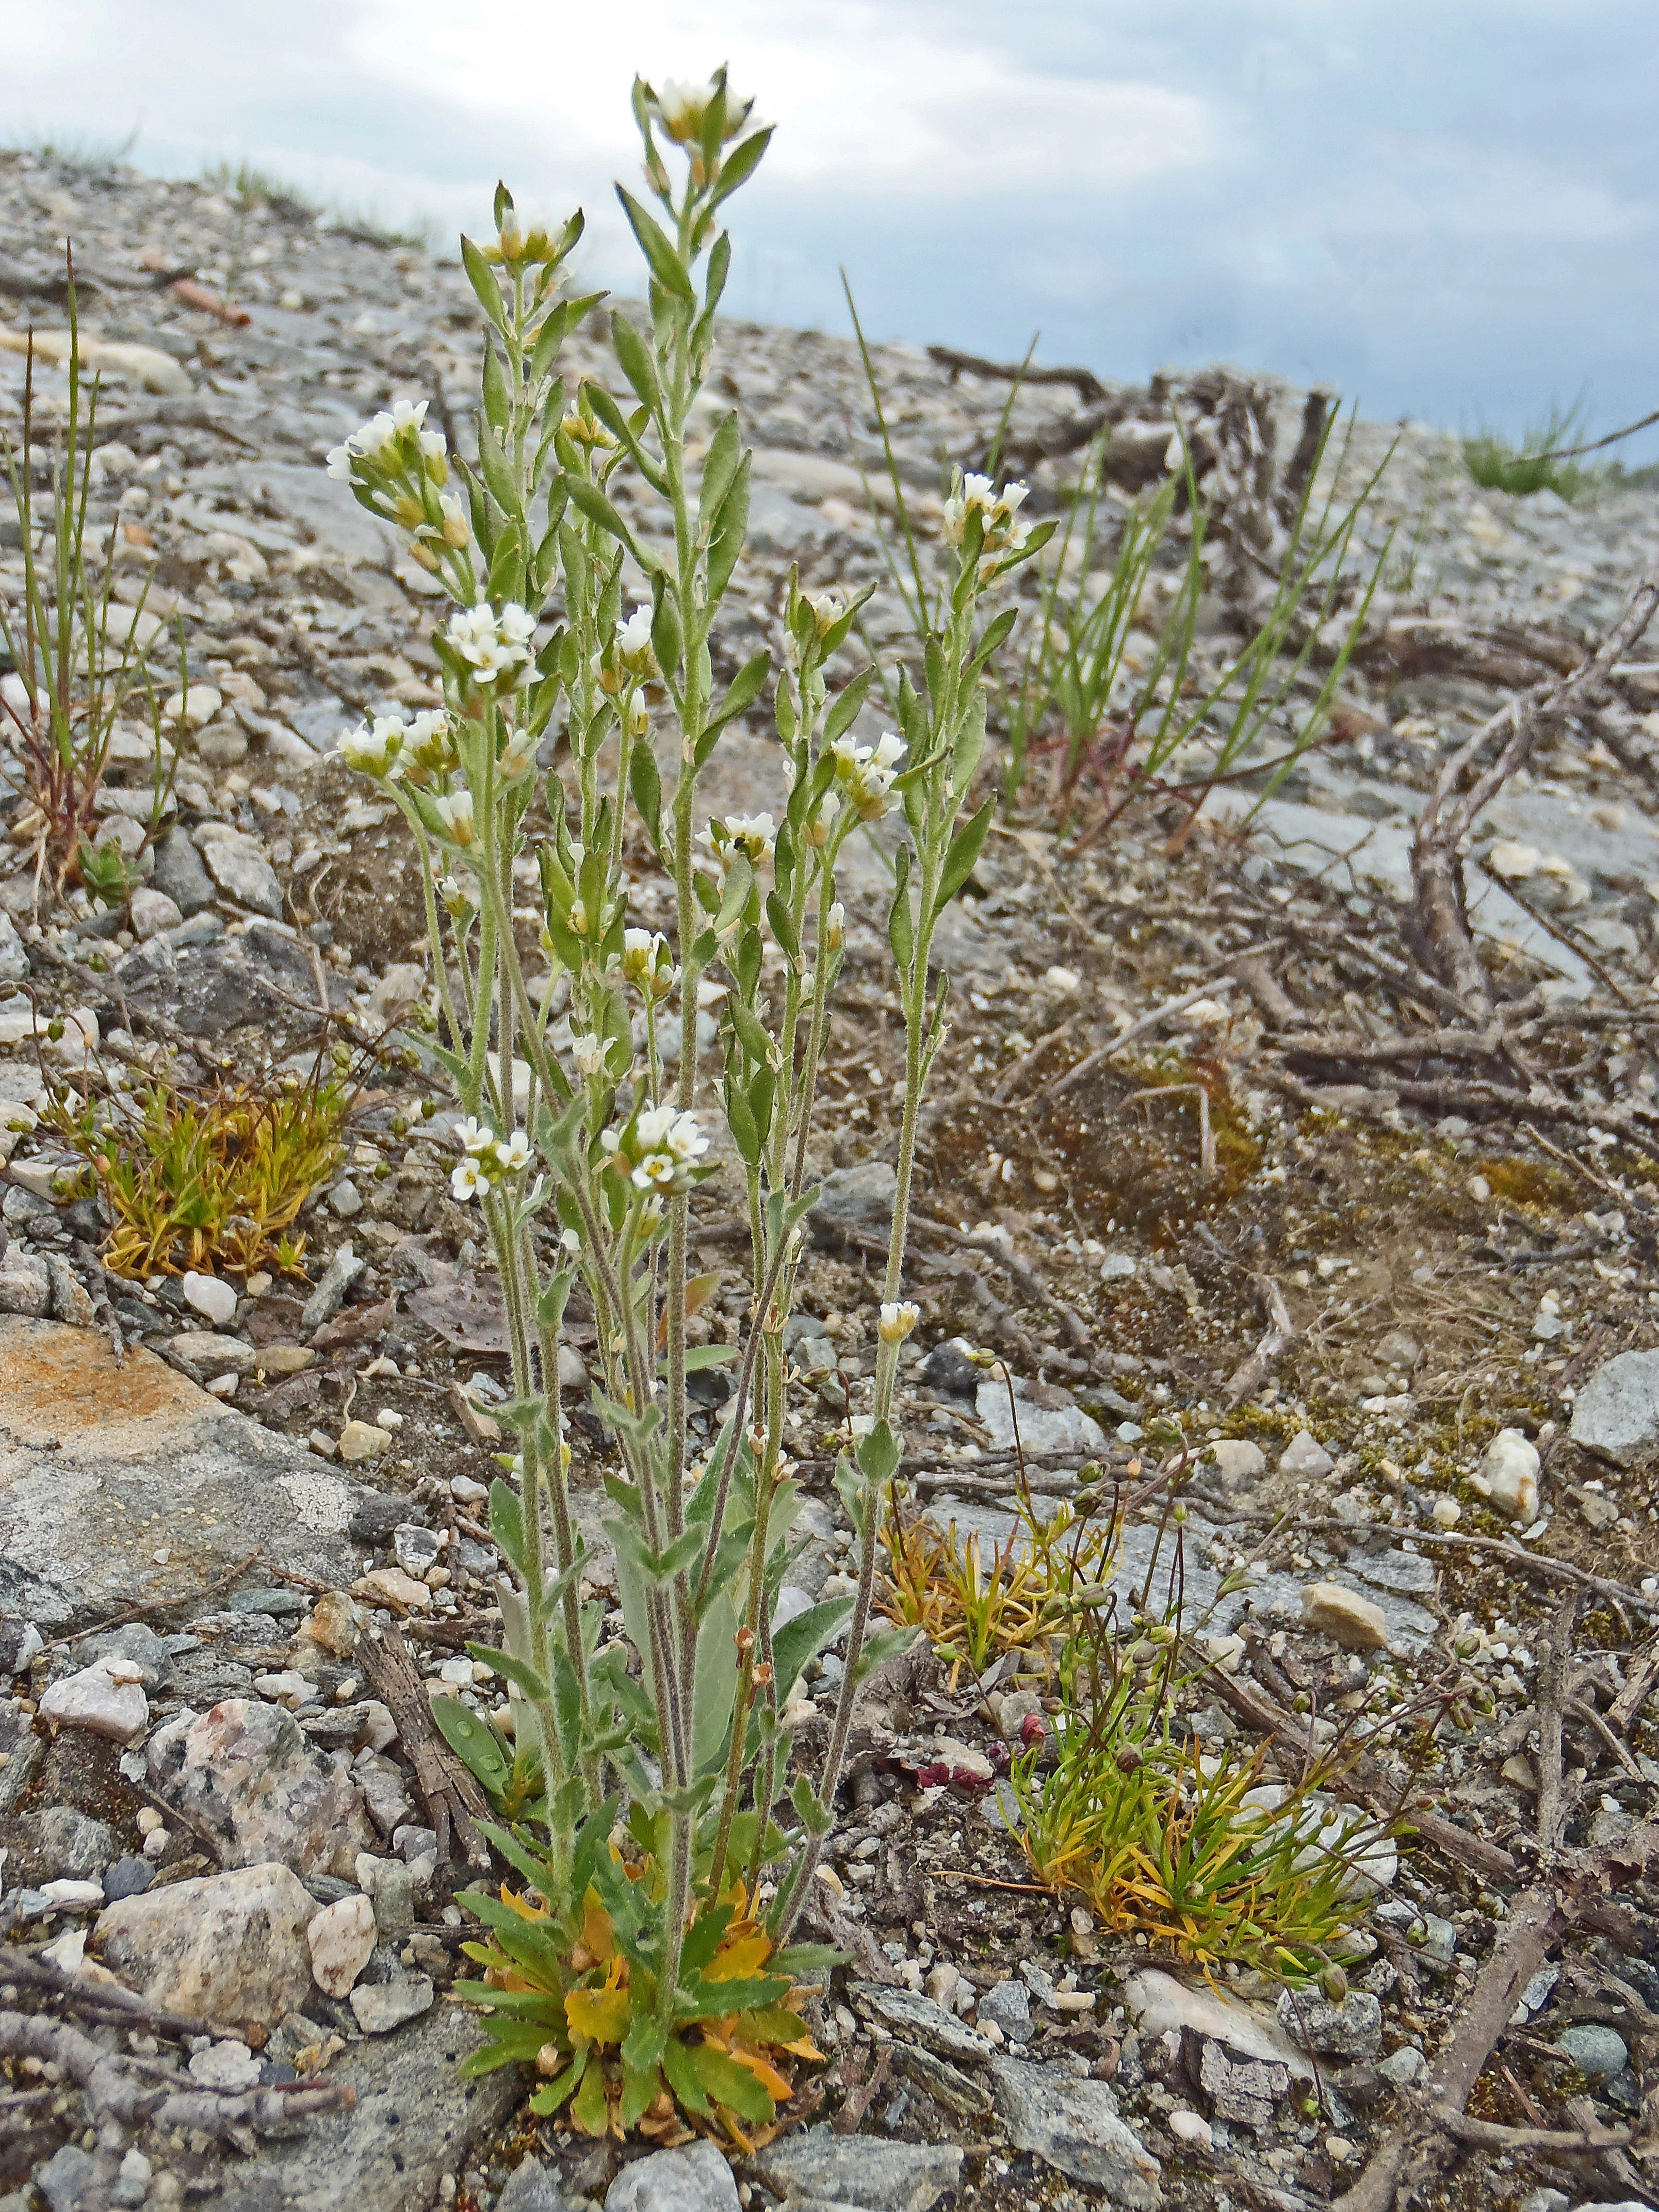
(1446, 208)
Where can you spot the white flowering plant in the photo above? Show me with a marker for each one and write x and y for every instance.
(578, 667)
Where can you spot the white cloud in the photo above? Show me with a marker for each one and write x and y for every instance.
(864, 104)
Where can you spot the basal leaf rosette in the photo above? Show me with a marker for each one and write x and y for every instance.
(579, 2002)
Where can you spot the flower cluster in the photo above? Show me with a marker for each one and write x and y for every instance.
(495, 646)
(754, 837)
(999, 513)
(486, 1159)
(387, 444)
(658, 1149)
(865, 772)
(648, 962)
(391, 747)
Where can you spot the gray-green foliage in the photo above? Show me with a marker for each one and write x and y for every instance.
(585, 1176)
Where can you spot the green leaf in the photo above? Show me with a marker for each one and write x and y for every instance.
(644, 781)
(473, 1742)
(701, 1357)
(720, 466)
(481, 278)
(497, 402)
(553, 2096)
(803, 1638)
(641, 2088)
(715, 1688)
(729, 2083)
(666, 639)
(901, 925)
(878, 1454)
(665, 263)
(683, 2080)
(798, 1959)
(970, 745)
(745, 689)
(637, 366)
(517, 1671)
(507, 1522)
(887, 1644)
(783, 925)
(965, 849)
(730, 526)
(843, 711)
(588, 2107)
(740, 164)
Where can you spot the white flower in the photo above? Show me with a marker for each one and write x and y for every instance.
(828, 608)
(458, 524)
(496, 646)
(514, 1156)
(340, 459)
(897, 1320)
(634, 636)
(476, 1136)
(682, 108)
(588, 1053)
(834, 926)
(1001, 531)
(455, 812)
(865, 772)
(466, 1179)
(376, 750)
(658, 1149)
(754, 836)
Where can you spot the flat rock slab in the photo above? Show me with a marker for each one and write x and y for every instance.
(863, 2170)
(415, 2121)
(1074, 2127)
(101, 1467)
(1617, 1414)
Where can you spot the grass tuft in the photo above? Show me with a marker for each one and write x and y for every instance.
(205, 1179)
(1497, 463)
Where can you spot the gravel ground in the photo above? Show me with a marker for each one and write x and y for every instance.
(1450, 1281)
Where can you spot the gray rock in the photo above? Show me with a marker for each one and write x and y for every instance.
(945, 2084)
(239, 865)
(67, 2178)
(329, 1295)
(1074, 2127)
(1403, 2067)
(1246, 2093)
(379, 2007)
(179, 874)
(415, 2120)
(101, 1467)
(56, 1843)
(14, 960)
(1058, 1428)
(1305, 1456)
(128, 1877)
(1617, 1411)
(1597, 2052)
(531, 2188)
(1009, 2004)
(1557, 2200)
(1352, 2029)
(25, 1284)
(228, 1947)
(859, 1197)
(923, 2020)
(249, 1772)
(695, 2179)
(858, 2170)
